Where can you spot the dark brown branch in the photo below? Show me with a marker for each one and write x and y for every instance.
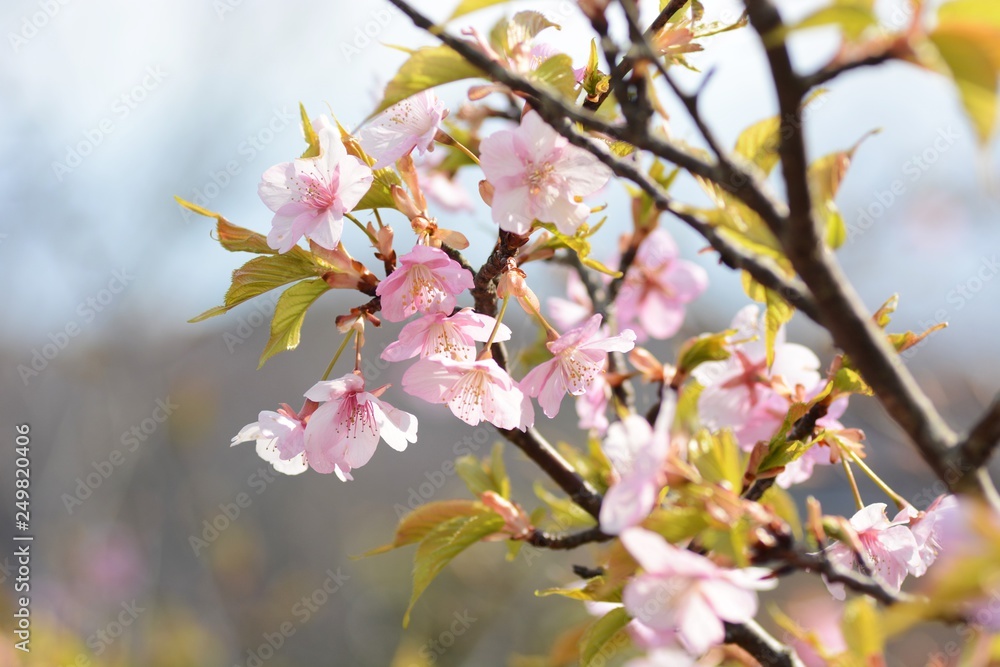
(981, 443)
(756, 641)
(827, 74)
(484, 289)
(544, 540)
(842, 312)
(797, 558)
(801, 430)
(621, 70)
(538, 449)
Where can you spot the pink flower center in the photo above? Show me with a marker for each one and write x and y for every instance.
(421, 287)
(750, 376)
(466, 396)
(316, 194)
(578, 369)
(354, 416)
(538, 176)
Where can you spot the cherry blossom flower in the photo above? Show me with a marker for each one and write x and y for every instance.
(658, 286)
(343, 432)
(890, 549)
(572, 311)
(427, 280)
(739, 391)
(592, 406)
(927, 526)
(440, 334)
(446, 192)
(537, 175)
(475, 391)
(411, 123)
(684, 596)
(309, 196)
(638, 455)
(280, 438)
(578, 357)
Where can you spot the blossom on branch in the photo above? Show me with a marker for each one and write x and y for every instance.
(280, 438)
(683, 596)
(406, 125)
(440, 334)
(309, 196)
(475, 391)
(578, 357)
(537, 174)
(427, 280)
(658, 286)
(343, 432)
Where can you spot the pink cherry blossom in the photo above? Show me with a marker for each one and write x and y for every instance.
(578, 357)
(280, 438)
(638, 455)
(446, 192)
(411, 123)
(537, 175)
(309, 196)
(890, 550)
(427, 280)
(658, 286)
(343, 432)
(475, 391)
(739, 391)
(927, 527)
(572, 311)
(592, 406)
(439, 334)
(684, 596)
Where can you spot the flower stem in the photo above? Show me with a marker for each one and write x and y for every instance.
(854, 483)
(362, 228)
(448, 140)
(896, 498)
(487, 349)
(340, 350)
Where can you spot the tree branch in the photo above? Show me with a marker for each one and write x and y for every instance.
(544, 540)
(981, 443)
(829, 73)
(842, 312)
(756, 641)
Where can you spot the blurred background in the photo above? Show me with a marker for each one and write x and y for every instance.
(111, 108)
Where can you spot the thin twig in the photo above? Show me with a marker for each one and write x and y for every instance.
(756, 641)
(544, 540)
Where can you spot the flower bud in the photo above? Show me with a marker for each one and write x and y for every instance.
(486, 192)
(517, 524)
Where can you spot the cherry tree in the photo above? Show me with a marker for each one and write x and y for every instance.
(681, 467)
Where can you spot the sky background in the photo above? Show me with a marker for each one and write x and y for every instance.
(111, 108)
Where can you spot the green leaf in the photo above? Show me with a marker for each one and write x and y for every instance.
(416, 525)
(717, 457)
(778, 313)
(232, 237)
(309, 133)
(965, 49)
(862, 627)
(758, 144)
(677, 524)
(605, 638)
(442, 544)
(849, 381)
(565, 512)
(704, 348)
(825, 176)
(784, 506)
(782, 451)
(379, 195)
(595, 590)
(289, 313)
(518, 31)
(557, 73)
(853, 18)
(262, 274)
(974, 11)
(426, 68)
(486, 475)
(469, 6)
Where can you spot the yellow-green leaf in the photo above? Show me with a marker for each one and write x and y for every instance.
(557, 73)
(426, 68)
(486, 475)
(289, 313)
(565, 512)
(416, 525)
(309, 133)
(965, 49)
(442, 544)
(717, 457)
(469, 6)
(778, 313)
(604, 639)
(862, 627)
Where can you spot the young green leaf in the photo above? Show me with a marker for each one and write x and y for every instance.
(416, 525)
(426, 68)
(289, 313)
(604, 639)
